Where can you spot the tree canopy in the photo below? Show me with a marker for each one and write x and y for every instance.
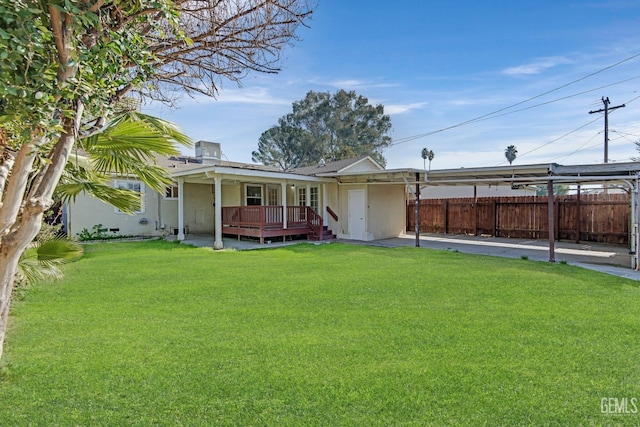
(326, 127)
(65, 66)
(427, 155)
(510, 153)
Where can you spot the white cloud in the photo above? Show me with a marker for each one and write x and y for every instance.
(252, 95)
(394, 109)
(537, 66)
(353, 84)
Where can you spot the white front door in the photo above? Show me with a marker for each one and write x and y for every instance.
(356, 215)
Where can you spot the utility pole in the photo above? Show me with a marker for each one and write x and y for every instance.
(606, 110)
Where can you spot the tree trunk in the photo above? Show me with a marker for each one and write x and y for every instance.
(29, 221)
(10, 252)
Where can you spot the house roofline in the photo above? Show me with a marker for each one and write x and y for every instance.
(211, 170)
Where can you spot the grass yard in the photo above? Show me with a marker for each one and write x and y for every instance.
(155, 333)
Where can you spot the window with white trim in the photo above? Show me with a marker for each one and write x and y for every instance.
(171, 193)
(314, 198)
(136, 186)
(253, 195)
(273, 195)
(302, 196)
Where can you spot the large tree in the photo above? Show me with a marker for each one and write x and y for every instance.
(326, 127)
(65, 65)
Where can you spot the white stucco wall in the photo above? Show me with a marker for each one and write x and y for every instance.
(386, 211)
(87, 212)
(198, 208)
(231, 195)
(333, 201)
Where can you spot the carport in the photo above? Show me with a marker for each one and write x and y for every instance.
(619, 175)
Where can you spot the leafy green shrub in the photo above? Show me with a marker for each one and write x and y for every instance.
(99, 233)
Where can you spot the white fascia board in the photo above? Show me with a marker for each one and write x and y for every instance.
(538, 169)
(376, 164)
(532, 180)
(211, 171)
(380, 172)
(387, 177)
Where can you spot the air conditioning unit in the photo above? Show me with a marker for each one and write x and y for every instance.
(208, 152)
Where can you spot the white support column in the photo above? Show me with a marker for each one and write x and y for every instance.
(217, 244)
(180, 208)
(307, 194)
(325, 214)
(285, 220)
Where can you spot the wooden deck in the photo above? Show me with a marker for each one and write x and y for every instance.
(264, 222)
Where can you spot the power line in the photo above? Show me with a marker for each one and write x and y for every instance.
(493, 113)
(559, 159)
(562, 99)
(560, 137)
(575, 130)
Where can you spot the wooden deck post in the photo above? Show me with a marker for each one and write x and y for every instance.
(285, 220)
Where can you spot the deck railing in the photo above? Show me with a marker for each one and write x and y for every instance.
(315, 222)
(270, 217)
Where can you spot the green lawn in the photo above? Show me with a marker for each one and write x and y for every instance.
(155, 333)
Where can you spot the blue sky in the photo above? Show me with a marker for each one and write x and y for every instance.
(434, 65)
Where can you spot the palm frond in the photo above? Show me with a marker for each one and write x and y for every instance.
(154, 176)
(59, 250)
(135, 138)
(31, 271)
(41, 262)
(125, 200)
(127, 147)
(163, 127)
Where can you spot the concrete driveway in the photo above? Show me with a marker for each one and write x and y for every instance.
(608, 259)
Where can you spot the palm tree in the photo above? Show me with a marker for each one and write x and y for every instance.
(510, 153)
(127, 147)
(427, 155)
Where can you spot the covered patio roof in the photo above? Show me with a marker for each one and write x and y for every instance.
(385, 176)
(535, 174)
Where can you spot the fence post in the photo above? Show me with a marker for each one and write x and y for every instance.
(552, 216)
(417, 211)
(578, 216)
(475, 210)
(495, 218)
(446, 217)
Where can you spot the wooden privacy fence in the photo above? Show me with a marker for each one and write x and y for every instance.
(592, 218)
